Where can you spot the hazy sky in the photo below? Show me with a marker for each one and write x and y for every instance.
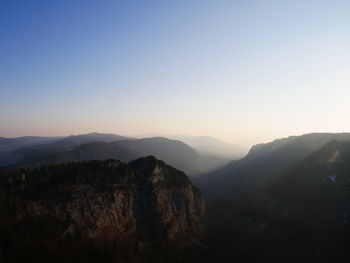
(243, 71)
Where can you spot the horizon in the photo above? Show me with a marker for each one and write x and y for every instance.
(243, 72)
(241, 147)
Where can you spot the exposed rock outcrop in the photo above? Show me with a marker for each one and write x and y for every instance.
(144, 200)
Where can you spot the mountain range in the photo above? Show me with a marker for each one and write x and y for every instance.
(285, 201)
(95, 146)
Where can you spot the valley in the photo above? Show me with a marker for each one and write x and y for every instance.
(287, 197)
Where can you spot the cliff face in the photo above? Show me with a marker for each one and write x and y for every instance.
(144, 200)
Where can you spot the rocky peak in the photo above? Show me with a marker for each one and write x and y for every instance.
(144, 200)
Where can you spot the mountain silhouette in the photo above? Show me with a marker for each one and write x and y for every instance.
(174, 152)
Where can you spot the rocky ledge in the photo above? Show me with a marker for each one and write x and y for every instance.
(144, 200)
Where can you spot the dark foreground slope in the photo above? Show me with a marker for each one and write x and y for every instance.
(100, 211)
(302, 215)
(313, 204)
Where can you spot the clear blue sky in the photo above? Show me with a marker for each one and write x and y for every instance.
(244, 71)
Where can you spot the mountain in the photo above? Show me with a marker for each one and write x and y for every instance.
(287, 201)
(174, 152)
(265, 164)
(317, 191)
(62, 141)
(306, 213)
(99, 211)
(14, 150)
(207, 145)
(213, 146)
(9, 145)
(76, 140)
(70, 142)
(24, 141)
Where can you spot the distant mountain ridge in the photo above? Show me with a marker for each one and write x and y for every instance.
(11, 149)
(105, 146)
(207, 145)
(24, 141)
(9, 145)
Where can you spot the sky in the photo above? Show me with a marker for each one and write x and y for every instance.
(243, 71)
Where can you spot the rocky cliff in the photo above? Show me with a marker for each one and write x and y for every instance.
(144, 200)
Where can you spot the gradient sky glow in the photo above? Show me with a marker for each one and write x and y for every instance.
(243, 71)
